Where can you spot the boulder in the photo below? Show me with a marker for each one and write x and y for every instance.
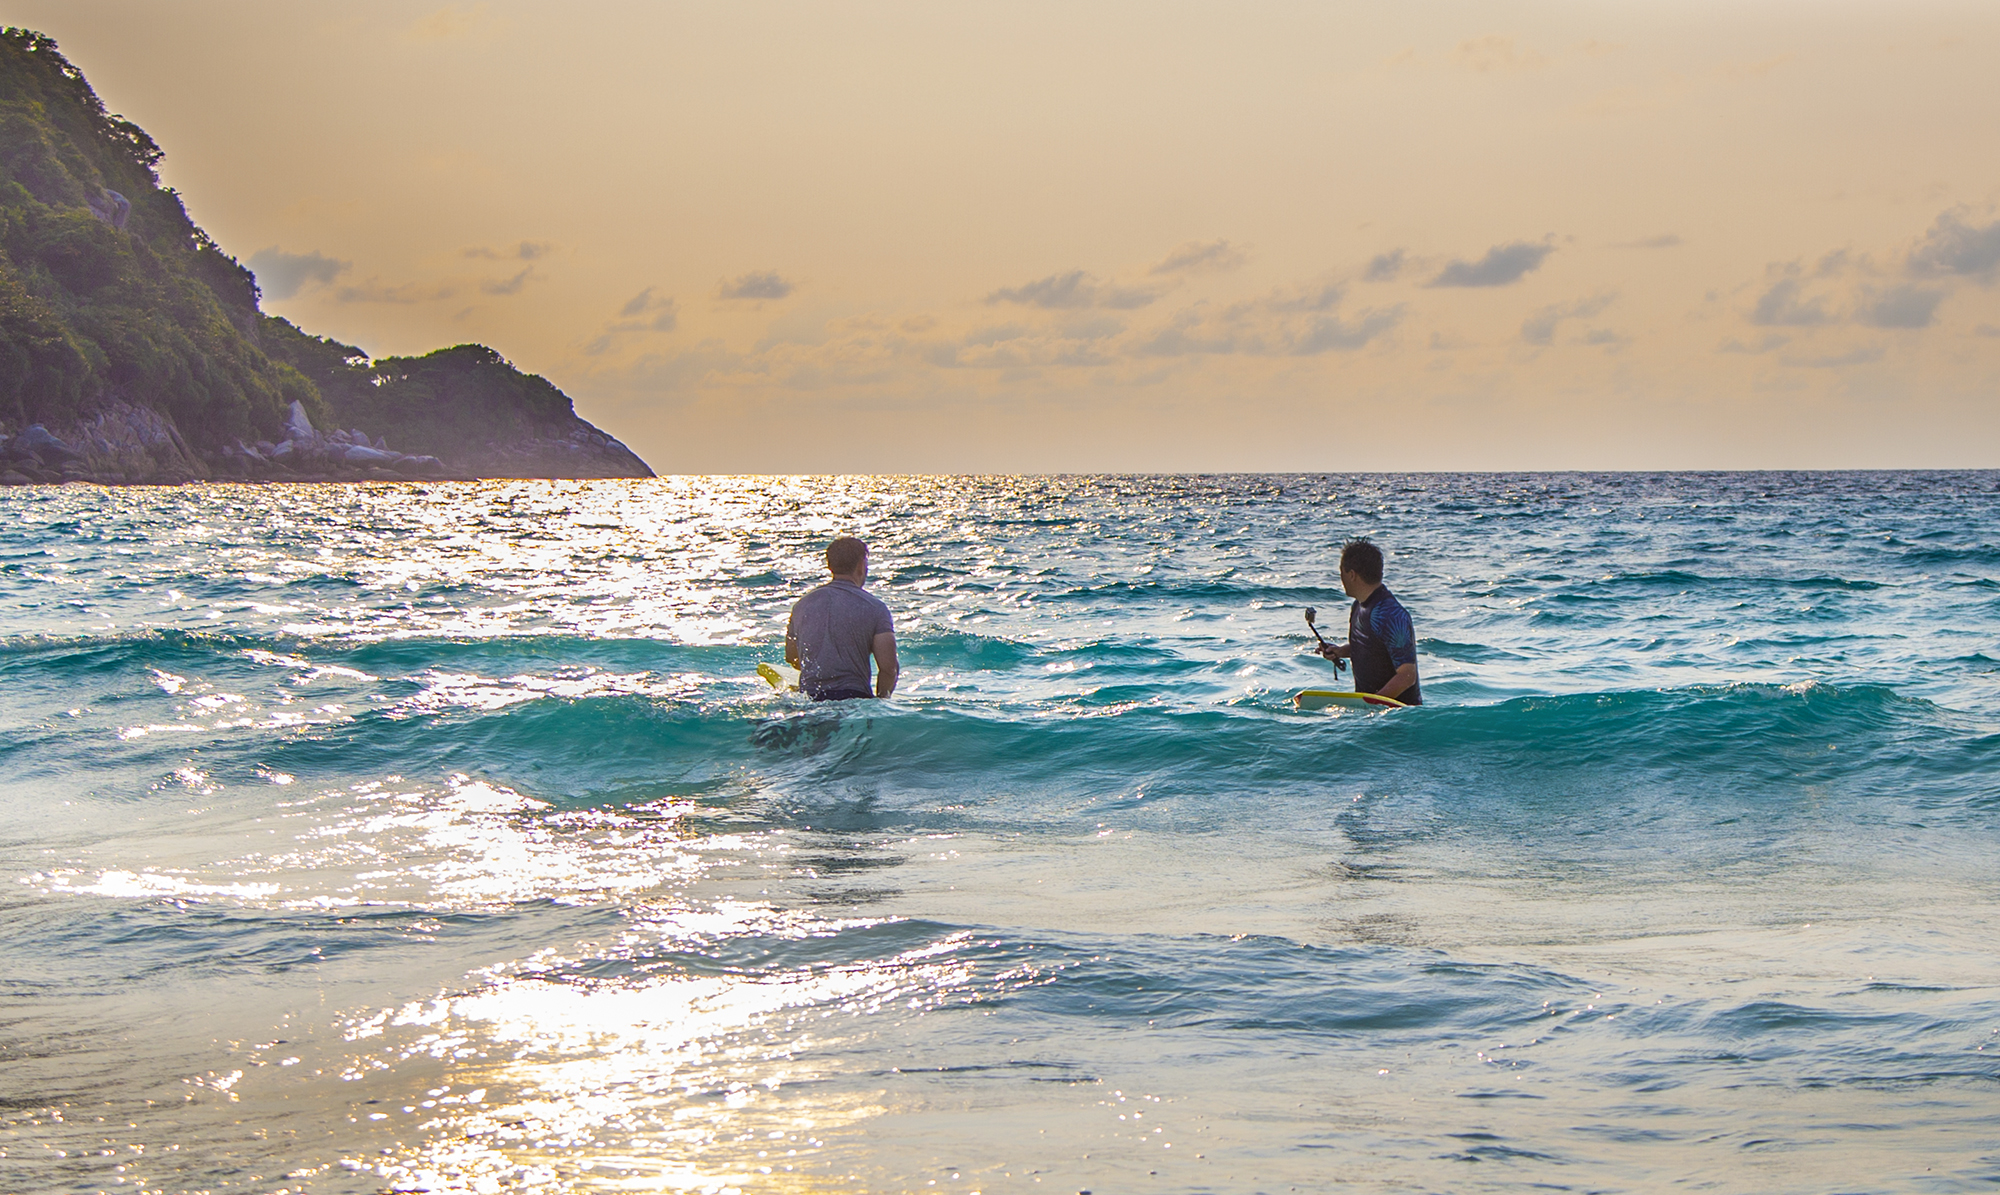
(40, 441)
(297, 426)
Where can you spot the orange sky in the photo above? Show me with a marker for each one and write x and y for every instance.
(1125, 236)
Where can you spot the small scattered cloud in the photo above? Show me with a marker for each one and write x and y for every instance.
(1384, 267)
(1018, 346)
(1987, 330)
(281, 275)
(1272, 327)
(1071, 291)
(643, 313)
(1074, 289)
(758, 285)
(1201, 257)
(1786, 305)
(374, 291)
(1954, 246)
(1770, 343)
(508, 286)
(1540, 328)
(1330, 333)
(1312, 298)
(1835, 263)
(1670, 240)
(1495, 53)
(1503, 264)
(525, 251)
(1860, 356)
(1901, 307)
(1605, 338)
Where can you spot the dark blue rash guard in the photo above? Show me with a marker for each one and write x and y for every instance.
(1380, 640)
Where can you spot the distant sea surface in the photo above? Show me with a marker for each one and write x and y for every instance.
(443, 838)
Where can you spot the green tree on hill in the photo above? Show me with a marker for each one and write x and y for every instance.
(102, 299)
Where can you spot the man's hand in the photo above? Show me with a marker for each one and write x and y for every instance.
(1333, 651)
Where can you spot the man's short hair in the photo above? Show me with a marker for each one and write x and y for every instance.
(1362, 558)
(845, 554)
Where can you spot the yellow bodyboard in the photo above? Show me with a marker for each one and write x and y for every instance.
(1319, 699)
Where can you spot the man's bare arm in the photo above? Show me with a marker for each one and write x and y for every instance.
(792, 647)
(1404, 677)
(886, 668)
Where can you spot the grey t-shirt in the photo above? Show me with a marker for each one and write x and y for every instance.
(835, 626)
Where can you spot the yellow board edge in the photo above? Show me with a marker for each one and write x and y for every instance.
(1319, 699)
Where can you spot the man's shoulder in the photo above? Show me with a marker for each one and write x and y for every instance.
(842, 592)
(849, 587)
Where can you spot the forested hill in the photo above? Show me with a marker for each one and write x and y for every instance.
(132, 347)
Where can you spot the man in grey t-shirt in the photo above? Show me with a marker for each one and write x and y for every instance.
(837, 627)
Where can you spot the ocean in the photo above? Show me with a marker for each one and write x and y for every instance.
(442, 837)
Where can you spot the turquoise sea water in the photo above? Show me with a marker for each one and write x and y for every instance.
(442, 837)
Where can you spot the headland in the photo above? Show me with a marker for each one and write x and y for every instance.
(133, 348)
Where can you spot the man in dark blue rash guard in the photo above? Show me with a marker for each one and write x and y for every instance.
(1380, 639)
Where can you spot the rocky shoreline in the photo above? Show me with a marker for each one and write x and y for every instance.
(124, 444)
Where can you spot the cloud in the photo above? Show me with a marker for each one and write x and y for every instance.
(374, 291)
(1540, 328)
(1503, 264)
(1215, 256)
(1015, 346)
(1860, 356)
(525, 251)
(644, 312)
(510, 286)
(1955, 247)
(1071, 291)
(1784, 305)
(1323, 298)
(281, 275)
(1328, 332)
(1770, 342)
(1074, 289)
(1495, 52)
(1901, 307)
(1986, 330)
(1271, 327)
(1384, 267)
(757, 285)
(1669, 240)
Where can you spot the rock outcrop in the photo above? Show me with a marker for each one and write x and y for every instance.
(117, 444)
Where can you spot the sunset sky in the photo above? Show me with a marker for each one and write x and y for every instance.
(915, 237)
